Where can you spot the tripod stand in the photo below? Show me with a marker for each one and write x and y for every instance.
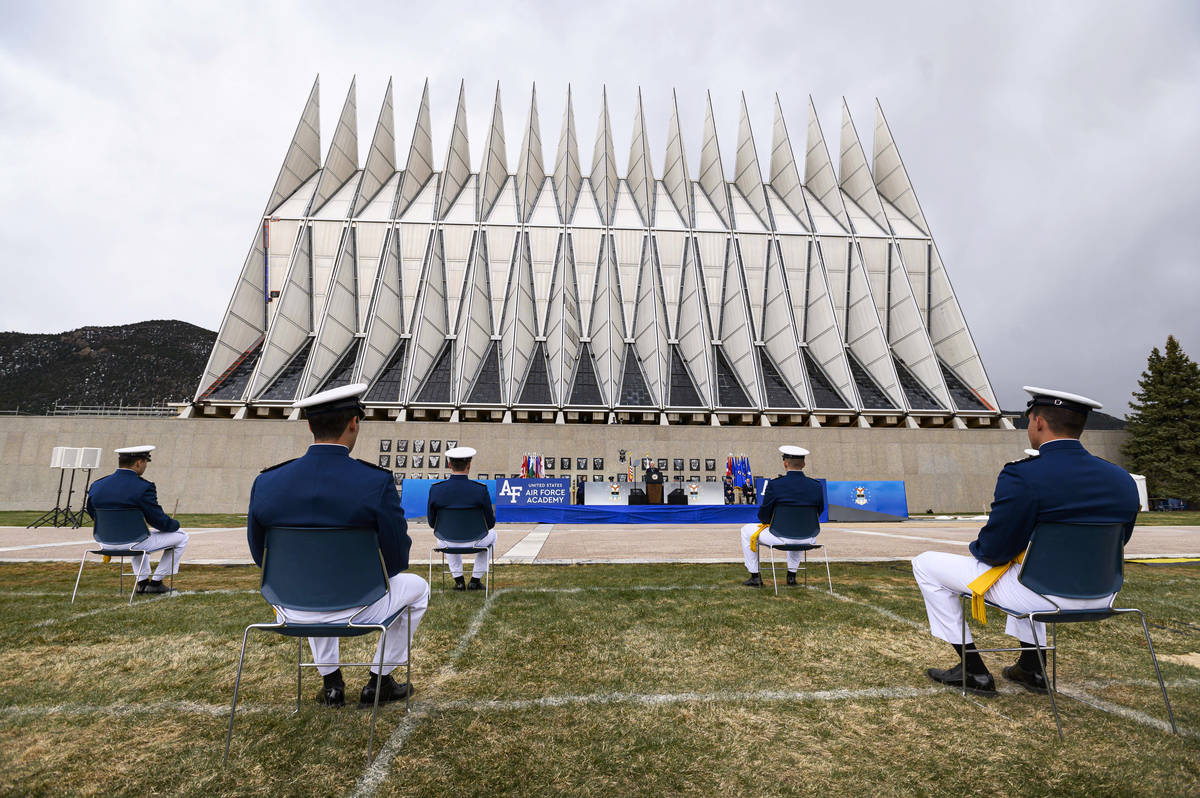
(52, 517)
(76, 518)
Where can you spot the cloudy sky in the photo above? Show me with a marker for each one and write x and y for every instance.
(1055, 147)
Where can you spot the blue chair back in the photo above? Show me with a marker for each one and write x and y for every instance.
(795, 523)
(460, 525)
(123, 527)
(1078, 561)
(322, 569)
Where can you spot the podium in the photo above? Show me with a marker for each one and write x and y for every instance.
(654, 492)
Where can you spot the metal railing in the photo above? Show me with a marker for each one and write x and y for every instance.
(151, 410)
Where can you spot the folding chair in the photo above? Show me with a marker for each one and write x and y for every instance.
(1073, 561)
(465, 526)
(324, 570)
(798, 523)
(120, 529)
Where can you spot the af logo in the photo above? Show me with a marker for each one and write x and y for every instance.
(860, 495)
(512, 491)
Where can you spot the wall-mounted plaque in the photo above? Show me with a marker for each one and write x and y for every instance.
(385, 461)
(451, 444)
(597, 477)
(478, 476)
(435, 445)
(694, 464)
(710, 465)
(435, 460)
(581, 464)
(402, 444)
(566, 463)
(662, 464)
(679, 477)
(401, 461)
(694, 478)
(677, 464)
(710, 478)
(398, 476)
(418, 446)
(597, 463)
(623, 477)
(418, 461)
(385, 445)
(549, 463)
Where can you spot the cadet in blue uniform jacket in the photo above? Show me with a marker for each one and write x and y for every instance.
(126, 489)
(460, 492)
(1063, 483)
(328, 488)
(791, 489)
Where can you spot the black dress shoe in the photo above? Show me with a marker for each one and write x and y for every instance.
(333, 696)
(1033, 682)
(152, 586)
(754, 581)
(978, 683)
(389, 690)
(459, 584)
(474, 584)
(791, 578)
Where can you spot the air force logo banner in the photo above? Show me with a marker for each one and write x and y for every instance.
(532, 492)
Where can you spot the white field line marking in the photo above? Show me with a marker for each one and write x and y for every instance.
(375, 773)
(155, 707)
(528, 548)
(904, 537)
(91, 541)
(141, 603)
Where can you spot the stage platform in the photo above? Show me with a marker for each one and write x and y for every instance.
(630, 514)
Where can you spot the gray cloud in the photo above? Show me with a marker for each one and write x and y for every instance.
(1052, 145)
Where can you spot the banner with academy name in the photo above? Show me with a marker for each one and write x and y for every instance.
(532, 492)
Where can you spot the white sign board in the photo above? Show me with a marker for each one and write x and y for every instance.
(56, 456)
(71, 457)
(89, 458)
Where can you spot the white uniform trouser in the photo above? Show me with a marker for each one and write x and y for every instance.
(481, 559)
(403, 590)
(168, 564)
(770, 539)
(943, 577)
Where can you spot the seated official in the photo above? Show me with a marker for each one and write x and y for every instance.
(126, 489)
(460, 492)
(730, 496)
(790, 489)
(1062, 483)
(327, 488)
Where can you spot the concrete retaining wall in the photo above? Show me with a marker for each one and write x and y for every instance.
(208, 465)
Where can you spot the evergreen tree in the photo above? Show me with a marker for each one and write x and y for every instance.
(1164, 427)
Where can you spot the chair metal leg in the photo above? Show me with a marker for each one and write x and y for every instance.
(78, 576)
(1054, 656)
(431, 567)
(1045, 677)
(1158, 672)
(962, 642)
(237, 681)
(378, 687)
(827, 575)
(299, 668)
(408, 662)
(133, 590)
(804, 565)
(774, 581)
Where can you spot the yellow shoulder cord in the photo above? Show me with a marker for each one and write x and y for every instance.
(754, 537)
(983, 583)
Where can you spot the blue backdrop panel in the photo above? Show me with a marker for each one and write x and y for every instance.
(630, 514)
(862, 501)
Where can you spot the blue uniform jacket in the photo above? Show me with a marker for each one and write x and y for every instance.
(124, 490)
(1064, 483)
(460, 492)
(328, 488)
(791, 489)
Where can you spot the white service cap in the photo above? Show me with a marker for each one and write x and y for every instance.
(1048, 397)
(461, 453)
(343, 398)
(143, 449)
(793, 451)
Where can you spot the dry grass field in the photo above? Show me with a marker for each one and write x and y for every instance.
(586, 680)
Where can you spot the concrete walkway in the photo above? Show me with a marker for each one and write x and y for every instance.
(554, 544)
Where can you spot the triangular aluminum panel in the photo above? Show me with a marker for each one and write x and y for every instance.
(754, 267)
(438, 385)
(712, 171)
(634, 391)
(379, 209)
(776, 389)
(630, 244)
(341, 203)
(665, 215)
(543, 249)
(414, 248)
(867, 341)
(285, 385)
(747, 174)
(419, 166)
(463, 209)
(587, 213)
(675, 173)
(730, 392)
(343, 371)
(487, 386)
(535, 387)
(519, 328)
(780, 333)
(567, 173)
(303, 158)
(640, 174)
(459, 241)
(474, 329)
(692, 330)
(494, 172)
(586, 246)
(531, 173)
(388, 386)
(737, 335)
(891, 178)
(603, 177)
(430, 321)
(907, 334)
(386, 319)
(296, 206)
(422, 208)
(458, 159)
(338, 323)
(835, 257)
(625, 213)
(381, 158)
(585, 388)
(854, 175)
(650, 326)
(812, 307)
(501, 242)
(292, 323)
(785, 176)
(563, 326)
(704, 214)
(683, 391)
(327, 240)
(606, 330)
(712, 249)
(670, 247)
(952, 338)
(545, 210)
(245, 318)
(819, 177)
(781, 214)
(342, 160)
